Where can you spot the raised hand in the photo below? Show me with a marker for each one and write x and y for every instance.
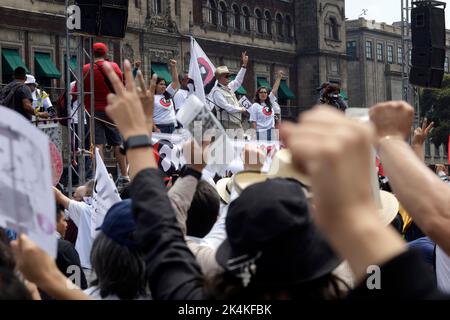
(392, 119)
(147, 97)
(125, 107)
(172, 63)
(421, 133)
(280, 74)
(244, 59)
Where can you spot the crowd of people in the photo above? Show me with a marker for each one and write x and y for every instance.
(312, 228)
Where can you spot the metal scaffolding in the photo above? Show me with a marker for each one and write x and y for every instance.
(410, 93)
(82, 50)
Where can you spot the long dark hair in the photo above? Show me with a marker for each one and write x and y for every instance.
(225, 286)
(166, 95)
(267, 102)
(119, 270)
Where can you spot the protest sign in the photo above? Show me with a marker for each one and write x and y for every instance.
(247, 104)
(26, 195)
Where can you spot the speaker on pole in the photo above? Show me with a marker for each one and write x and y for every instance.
(428, 41)
(106, 18)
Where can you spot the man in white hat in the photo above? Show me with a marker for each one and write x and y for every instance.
(229, 110)
(41, 101)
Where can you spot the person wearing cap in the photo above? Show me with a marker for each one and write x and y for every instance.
(17, 96)
(228, 109)
(41, 99)
(116, 258)
(330, 95)
(105, 132)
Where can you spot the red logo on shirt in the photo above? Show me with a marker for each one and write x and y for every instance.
(267, 111)
(165, 103)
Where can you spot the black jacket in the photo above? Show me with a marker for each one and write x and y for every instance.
(68, 256)
(175, 275)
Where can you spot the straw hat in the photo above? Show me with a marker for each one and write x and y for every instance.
(223, 187)
(222, 70)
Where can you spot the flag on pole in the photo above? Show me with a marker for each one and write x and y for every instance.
(105, 194)
(201, 70)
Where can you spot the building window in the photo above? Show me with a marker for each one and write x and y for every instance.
(332, 28)
(259, 22)
(223, 20)
(177, 8)
(279, 25)
(399, 55)
(246, 19)
(157, 7)
(137, 4)
(211, 12)
(351, 49)
(288, 27)
(268, 22)
(236, 20)
(369, 50)
(380, 53)
(446, 67)
(390, 54)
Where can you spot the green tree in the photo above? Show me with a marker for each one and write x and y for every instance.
(435, 106)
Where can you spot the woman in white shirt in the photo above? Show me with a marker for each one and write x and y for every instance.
(164, 111)
(262, 112)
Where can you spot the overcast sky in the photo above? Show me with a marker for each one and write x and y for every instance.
(382, 10)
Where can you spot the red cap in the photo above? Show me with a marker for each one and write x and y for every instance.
(100, 47)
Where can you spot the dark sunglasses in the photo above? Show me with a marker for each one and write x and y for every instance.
(226, 76)
(263, 92)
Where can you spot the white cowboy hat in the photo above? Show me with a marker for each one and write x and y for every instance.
(223, 187)
(30, 79)
(221, 70)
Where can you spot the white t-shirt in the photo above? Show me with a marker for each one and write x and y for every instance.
(442, 270)
(259, 113)
(164, 112)
(80, 213)
(179, 98)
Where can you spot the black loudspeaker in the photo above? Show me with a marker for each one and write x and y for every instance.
(428, 26)
(113, 18)
(106, 18)
(428, 40)
(90, 12)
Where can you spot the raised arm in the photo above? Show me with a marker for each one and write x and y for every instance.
(276, 85)
(237, 82)
(420, 135)
(420, 191)
(174, 73)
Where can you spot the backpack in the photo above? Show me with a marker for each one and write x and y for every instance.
(7, 97)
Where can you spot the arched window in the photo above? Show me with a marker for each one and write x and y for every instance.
(223, 21)
(212, 12)
(259, 22)
(288, 27)
(333, 29)
(246, 18)
(236, 20)
(279, 19)
(268, 17)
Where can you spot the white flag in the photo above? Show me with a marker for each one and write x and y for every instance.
(27, 203)
(105, 194)
(201, 70)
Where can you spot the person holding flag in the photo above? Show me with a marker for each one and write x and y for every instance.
(229, 110)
